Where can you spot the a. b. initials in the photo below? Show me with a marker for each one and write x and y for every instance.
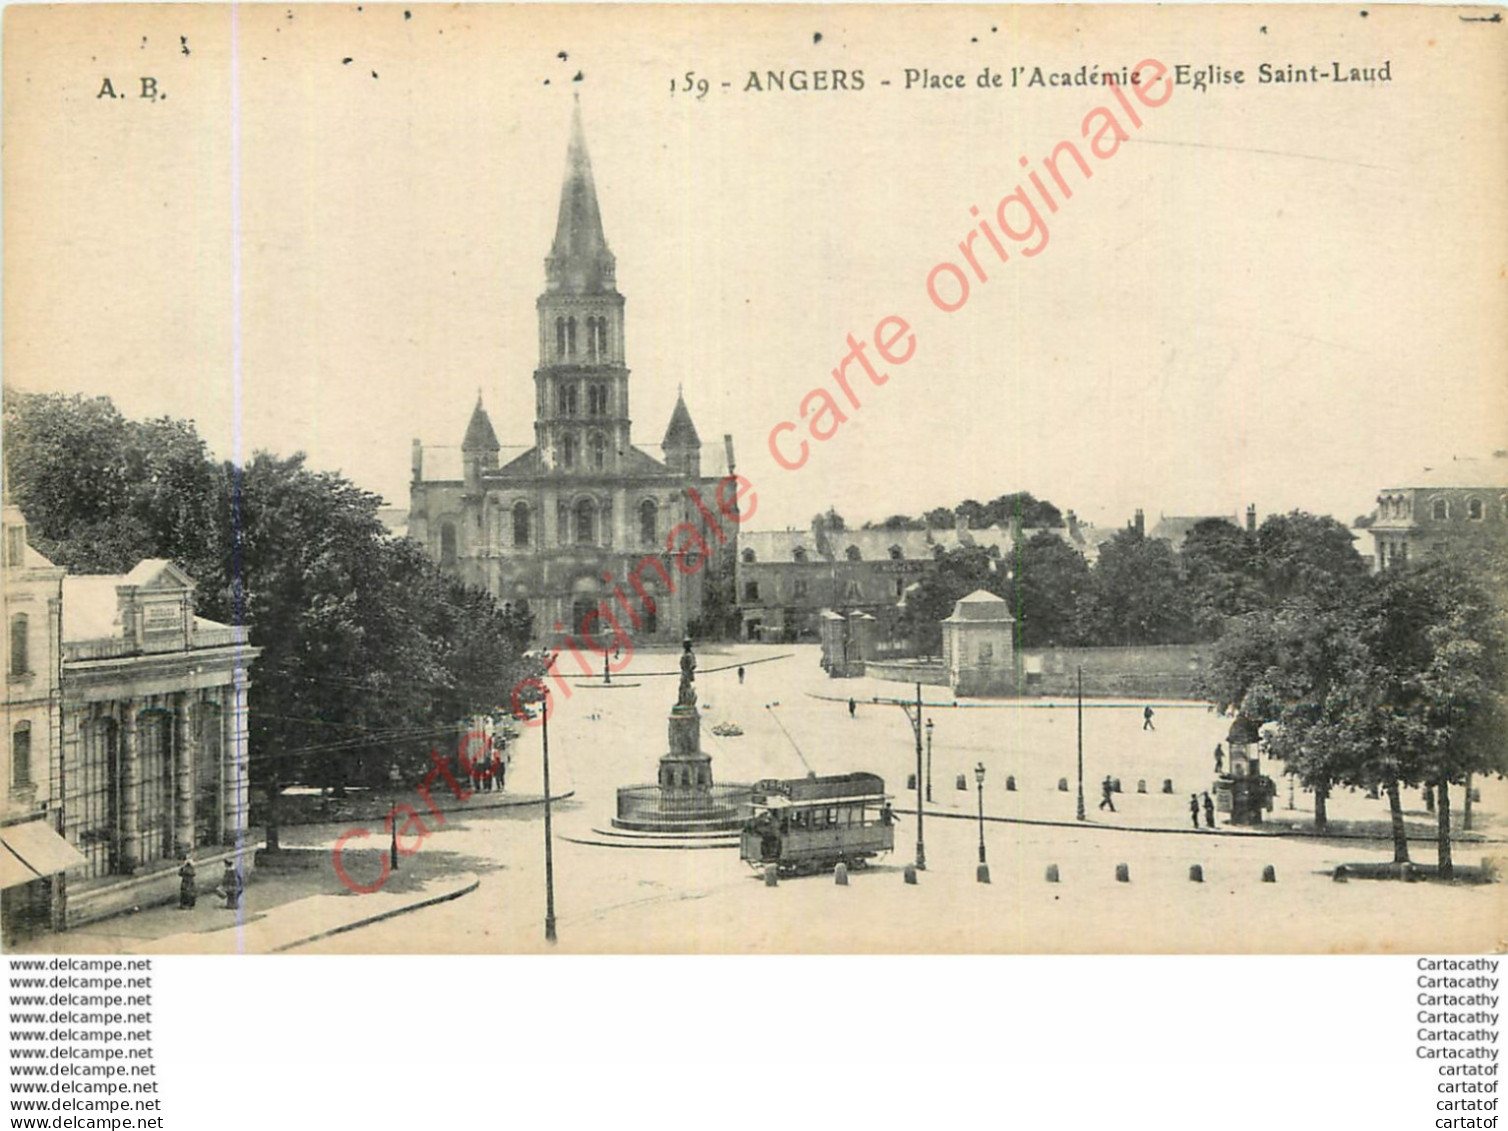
(149, 89)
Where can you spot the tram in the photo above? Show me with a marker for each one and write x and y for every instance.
(802, 826)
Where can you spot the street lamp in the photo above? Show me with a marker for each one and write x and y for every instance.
(983, 872)
(929, 759)
(921, 847)
(1080, 810)
(549, 845)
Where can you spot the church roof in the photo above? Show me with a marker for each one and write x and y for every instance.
(681, 432)
(479, 433)
(579, 258)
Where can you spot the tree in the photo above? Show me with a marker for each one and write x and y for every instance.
(1304, 553)
(1050, 583)
(959, 572)
(1220, 564)
(1138, 596)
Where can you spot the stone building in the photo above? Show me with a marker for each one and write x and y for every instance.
(583, 511)
(979, 647)
(1452, 507)
(33, 856)
(143, 760)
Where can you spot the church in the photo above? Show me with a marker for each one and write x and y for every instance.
(582, 513)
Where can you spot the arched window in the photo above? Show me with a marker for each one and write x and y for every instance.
(599, 451)
(520, 524)
(20, 754)
(567, 398)
(596, 400)
(799, 554)
(602, 338)
(20, 646)
(571, 336)
(896, 553)
(591, 339)
(1440, 510)
(649, 522)
(586, 521)
(568, 450)
(560, 338)
(853, 554)
(749, 555)
(1474, 510)
(448, 544)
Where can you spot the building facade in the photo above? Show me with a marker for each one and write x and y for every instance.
(583, 511)
(126, 728)
(1450, 508)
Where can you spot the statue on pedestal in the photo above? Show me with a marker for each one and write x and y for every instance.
(687, 697)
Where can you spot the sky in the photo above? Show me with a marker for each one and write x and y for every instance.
(329, 236)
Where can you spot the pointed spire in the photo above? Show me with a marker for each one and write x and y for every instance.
(681, 431)
(479, 433)
(579, 259)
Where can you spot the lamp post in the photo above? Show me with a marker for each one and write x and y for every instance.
(921, 847)
(929, 759)
(549, 845)
(979, 780)
(1080, 811)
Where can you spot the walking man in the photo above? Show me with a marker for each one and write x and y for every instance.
(1194, 808)
(852, 707)
(1209, 812)
(1219, 758)
(188, 888)
(1146, 719)
(1106, 800)
(740, 674)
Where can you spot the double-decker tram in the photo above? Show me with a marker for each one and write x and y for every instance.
(806, 825)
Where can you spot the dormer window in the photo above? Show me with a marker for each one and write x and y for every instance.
(896, 553)
(1440, 510)
(749, 556)
(799, 554)
(853, 554)
(1475, 510)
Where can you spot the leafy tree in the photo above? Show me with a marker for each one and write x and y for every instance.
(1050, 584)
(959, 572)
(1220, 563)
(1301, 553)
(1138, 596)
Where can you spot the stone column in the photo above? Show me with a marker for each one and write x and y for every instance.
(185, 749)
(129, 851)
(236, 787)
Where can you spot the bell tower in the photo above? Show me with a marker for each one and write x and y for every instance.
(581, 386)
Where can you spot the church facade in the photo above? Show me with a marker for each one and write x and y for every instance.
(583, 516)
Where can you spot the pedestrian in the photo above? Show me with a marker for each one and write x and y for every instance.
(1106, 789)
(230, 884)
(1219, 758)
(740, 674)
(1146, 719)
(1194, 808)
(1209, 812)
(852, 707)
(188, 888)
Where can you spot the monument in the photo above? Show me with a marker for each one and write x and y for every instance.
(684, 798)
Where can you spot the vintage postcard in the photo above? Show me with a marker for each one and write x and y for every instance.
(697, 478)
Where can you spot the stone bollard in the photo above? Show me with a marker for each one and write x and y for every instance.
(1410, 873)
(771, 876)
(910, 873)
(840, 874)
(1167, 785)
(1269, 875)
(1062, 785)
(1341, 875)
(1141, 785)
(982, 873)
(1196, 873)
(1123, 873)
(1052, 873)
(910, 781)
(1010, 783)
(962, 782)
(1115, 785)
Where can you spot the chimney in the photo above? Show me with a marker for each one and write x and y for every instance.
(1140, 523)
(418, 461)
(1251, 517)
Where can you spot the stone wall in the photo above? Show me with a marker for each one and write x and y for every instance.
(1165, 671)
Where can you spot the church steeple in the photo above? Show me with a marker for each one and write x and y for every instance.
(579, 260)
(681, 445)
(581, 424)
(480, 447)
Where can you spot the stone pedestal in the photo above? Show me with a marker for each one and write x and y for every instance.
(685, 766)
